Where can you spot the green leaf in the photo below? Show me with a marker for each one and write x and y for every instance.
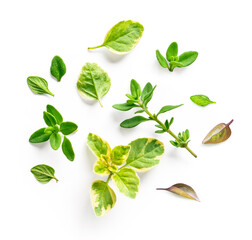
(201, 100)
(159, 131)
(162, 61)
(140, 111)
(49, 130)
(168, 108)
(127, 182)
(122, 37)
(148, 96)
(39, 136)
(93, 82)
(135, 89)
(49, 119)
(51, 109)
(119, 154)
(145, 153)
(175, 144)
(146, 90)
(98, 145)
(58, 68)
(176, 64)
(172, 51)
(38, 85)
(103, 197)
(68, 127)
(124, 106)
(43, 173)
(101, 168)
(187, 134)
(55, 140)
(187, 58)
(133, 122)
(67, 149)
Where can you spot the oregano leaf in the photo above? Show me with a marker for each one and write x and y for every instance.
(38, 85)
(124, 106)
(162, 61)
(51, 109)
(43, 173)
(168, 108)
(49, 119)
(187, 58)
(172, 51)
(39, 136)
(201, 100)
(58, 68)
(55, 140)
(67, 149)
(133, 122)
(68, 127)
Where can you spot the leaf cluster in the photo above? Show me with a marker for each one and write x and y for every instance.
(55, 126)
(172, 59)
(183, 139)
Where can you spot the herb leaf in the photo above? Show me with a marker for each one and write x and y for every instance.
(133, 122)
(68, 127)
(172, 51)
(127, 182)
(145, 153)
(124, 106)
(218, 134)
(103, 197)
(49, 119)
(101, 167)
(58, 68)
(43, 173)
(201, 100)
(68, 149)
(38, 85)
(187, 58)
(135, 89)
(162, 61)
(168, 108)
(39, 136)
(182, 190)
(93, 82)
(119, 154)
(122, 37)
(55, 140)
(51, 109)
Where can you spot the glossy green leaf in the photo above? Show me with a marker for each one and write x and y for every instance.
(146, 90)
(124, 106)
(201, 100)
(172, 51)
(127, 182)
(168, 108)
(55, 140)
(218, 134)
(161, 59)
(93, 82)
(133, 122)
(51, 109)
(122, 37)
(38, 85)
(187, 58)
(145, 153)
(67, 149)
(119, 154)
(68, 127)
(58, 68)
(101, 168)
(43, 173)
(182, 190)
(103, 197)
(49, 119)
(176, 64)
(98, 145)
(39, 136)
(135, 89)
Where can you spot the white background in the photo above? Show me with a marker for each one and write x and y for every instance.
(32, 32)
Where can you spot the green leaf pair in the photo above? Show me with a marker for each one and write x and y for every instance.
(121, 164)
(173, 60)
(54, 121)
(183, 139)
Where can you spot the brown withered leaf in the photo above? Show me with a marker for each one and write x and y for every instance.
(182, 190)
(218, 134)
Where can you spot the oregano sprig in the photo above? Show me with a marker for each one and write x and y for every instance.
(54, 121)
(140, 99)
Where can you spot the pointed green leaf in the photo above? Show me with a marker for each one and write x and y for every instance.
(148, 96)
(68, 127)
(187, 58)
(135, 89)
(55, 140)
(93, 82)
(39, 136)
(58, 68)
(49, 119)
(140, 111)
(51, 109)
(168, 108)
(38, 85)
(159, 131)
(127, 182)
(98, 145)
(67, 149)
(103, 197)
(146, 90)
(124, 106)
(119, 154)
(162, 61)
(43, 173)
(122, 37)
(172, 51)
(145, 153)
(133, 122)
(201, 100)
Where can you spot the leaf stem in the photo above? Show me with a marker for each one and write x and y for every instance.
(55, 179)
(96, 47)
(110, 175)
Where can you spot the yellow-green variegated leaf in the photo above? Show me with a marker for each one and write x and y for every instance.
(101, 168)
(103, 198)
(119, 154)
(127, 182)
(98, 145)
(122, 37)
(145, 153)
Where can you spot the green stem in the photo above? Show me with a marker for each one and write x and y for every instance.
(164, 127)
(96, 47)
(110, 175)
